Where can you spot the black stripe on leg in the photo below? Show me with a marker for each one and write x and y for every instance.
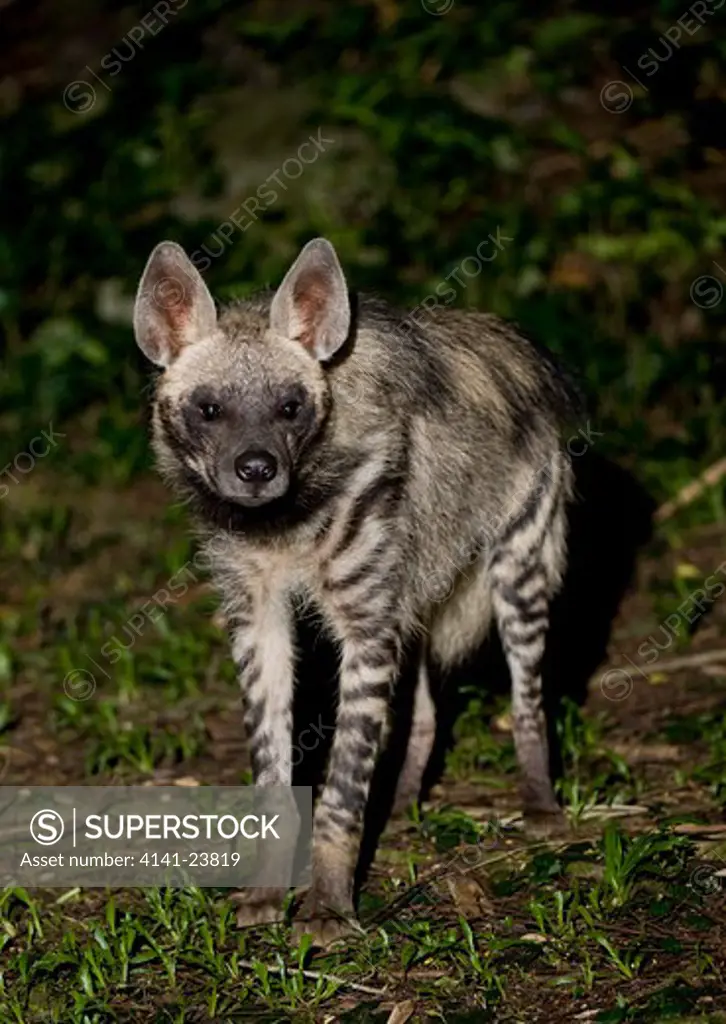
(515, 635)
(254, 712)
(526, 575)
(525, 609)
(360, 724)
(261, 757)
(372, 691)
(352, 795)
(238, 623)
(249, 674)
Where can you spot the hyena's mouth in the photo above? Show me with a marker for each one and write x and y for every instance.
(255, 500)
(265, 514)
(254, 495)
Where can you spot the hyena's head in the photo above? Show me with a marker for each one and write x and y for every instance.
(243, 396)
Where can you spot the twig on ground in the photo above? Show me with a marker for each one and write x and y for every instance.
(689, 829)
(691, 491)
(692, 661)
(320, 976)
(614, 811)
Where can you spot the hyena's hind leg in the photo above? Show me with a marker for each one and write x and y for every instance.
(460, 619)
(420, 741)
(526, 571)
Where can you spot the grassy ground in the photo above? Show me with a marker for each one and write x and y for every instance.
(467, 918)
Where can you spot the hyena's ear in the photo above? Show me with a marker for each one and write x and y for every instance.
(173, 305)
(311, 305)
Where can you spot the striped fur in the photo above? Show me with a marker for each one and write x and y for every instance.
(427, 492)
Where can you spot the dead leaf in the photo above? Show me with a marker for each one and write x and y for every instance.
(187, 781)
(469, 897)
(401, 1012)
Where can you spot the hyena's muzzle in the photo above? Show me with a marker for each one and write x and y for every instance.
(254, 468)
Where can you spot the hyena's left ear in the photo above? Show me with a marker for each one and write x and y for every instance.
(173, 305)
(311, 305)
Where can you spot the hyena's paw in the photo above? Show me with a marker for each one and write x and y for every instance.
(543, 816)
(259, 906)
(545, 819)
(325, 924)
(546, 824)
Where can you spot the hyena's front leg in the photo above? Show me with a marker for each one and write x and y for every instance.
(371, 655)
(261, 633)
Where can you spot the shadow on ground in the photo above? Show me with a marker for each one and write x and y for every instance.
(610, 520)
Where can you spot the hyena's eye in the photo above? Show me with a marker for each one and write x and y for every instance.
(290, 409)
(210, 411)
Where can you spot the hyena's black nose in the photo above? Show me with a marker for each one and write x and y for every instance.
(255, 467)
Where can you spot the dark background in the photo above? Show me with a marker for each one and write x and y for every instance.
(445, 127)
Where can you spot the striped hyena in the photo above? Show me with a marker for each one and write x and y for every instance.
(406, 480)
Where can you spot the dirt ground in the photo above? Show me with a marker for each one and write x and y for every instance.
(644, 754)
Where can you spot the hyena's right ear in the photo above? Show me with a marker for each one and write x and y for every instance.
(173, 305)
